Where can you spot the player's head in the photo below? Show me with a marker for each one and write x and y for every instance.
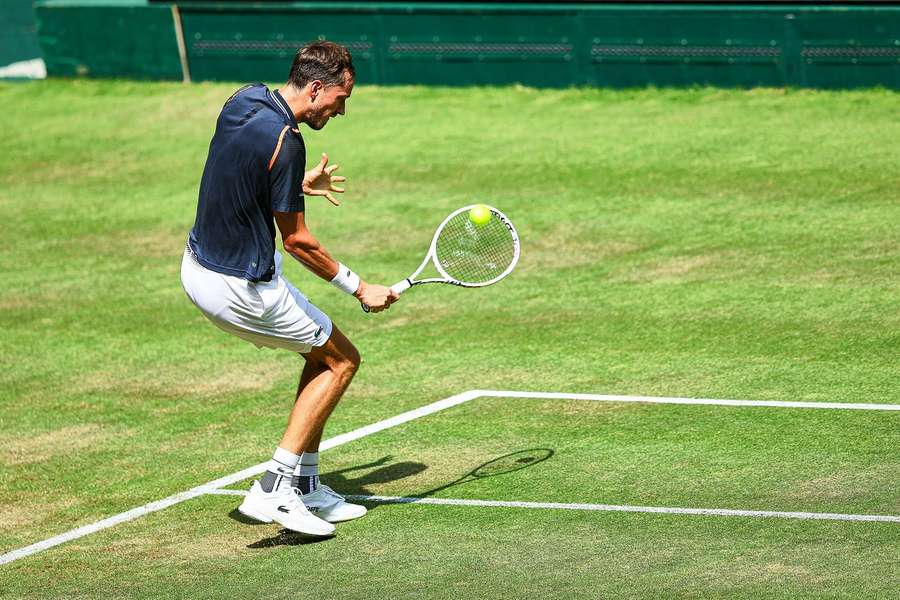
(323, 73)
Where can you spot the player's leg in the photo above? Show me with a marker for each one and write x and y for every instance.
(330, 363)
(306, 475)
(337, 361)
(329, 370)
(309, 371)
(327, 373)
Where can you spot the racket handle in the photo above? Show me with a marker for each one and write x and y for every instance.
(401, 286)
(398, 288)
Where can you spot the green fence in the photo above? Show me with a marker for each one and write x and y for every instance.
(617, 45)
(18, 38)
(108, 38)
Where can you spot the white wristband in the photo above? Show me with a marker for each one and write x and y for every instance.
(346, 280)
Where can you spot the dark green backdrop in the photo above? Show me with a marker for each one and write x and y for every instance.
(18, 37)
(618, 45)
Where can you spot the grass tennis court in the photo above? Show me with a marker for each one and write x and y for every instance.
(694, 243)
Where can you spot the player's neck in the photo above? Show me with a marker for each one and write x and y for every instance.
(296, 101)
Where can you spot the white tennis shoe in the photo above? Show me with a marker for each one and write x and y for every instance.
(331, 506)
(283, 506)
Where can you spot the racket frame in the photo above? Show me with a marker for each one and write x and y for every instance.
(410, 281)
(431, 255)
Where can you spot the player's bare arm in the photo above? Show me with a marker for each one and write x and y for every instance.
(300, 243)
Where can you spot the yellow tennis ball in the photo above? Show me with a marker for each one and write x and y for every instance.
(480, 214)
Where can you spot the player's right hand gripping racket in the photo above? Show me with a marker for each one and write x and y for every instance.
(468, 254)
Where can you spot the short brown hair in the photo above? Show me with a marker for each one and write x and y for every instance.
(322, 60)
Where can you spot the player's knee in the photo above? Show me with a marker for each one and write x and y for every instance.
(345, 370)
(353, 359)
(343, 356)
(348, 362)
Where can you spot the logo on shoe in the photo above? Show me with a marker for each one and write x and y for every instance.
(283, 509)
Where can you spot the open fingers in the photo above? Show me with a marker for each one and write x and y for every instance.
(332, 199)
(332, 169)
(337, 189)
(338, 178)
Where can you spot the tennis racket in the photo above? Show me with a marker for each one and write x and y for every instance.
(468, 254)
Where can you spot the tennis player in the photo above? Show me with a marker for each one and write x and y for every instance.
(255, 179)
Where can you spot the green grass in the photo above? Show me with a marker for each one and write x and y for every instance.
(706, 243)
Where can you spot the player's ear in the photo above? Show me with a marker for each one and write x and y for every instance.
(315, 87)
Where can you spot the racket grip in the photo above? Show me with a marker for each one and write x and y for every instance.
(401, 286)
(398, 288)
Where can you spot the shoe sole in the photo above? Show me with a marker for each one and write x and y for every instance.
(343, 519)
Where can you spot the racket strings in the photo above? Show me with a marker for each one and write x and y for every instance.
(473, 253)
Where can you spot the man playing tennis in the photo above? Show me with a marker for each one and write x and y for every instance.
(255, 178)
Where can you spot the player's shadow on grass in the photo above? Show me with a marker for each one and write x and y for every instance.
(381, 473)
(286, 537)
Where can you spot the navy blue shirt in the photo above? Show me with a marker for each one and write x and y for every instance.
(254, 168)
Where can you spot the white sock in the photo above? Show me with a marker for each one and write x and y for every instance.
(279, 470)
(306, 474)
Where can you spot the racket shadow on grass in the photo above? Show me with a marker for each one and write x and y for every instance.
(501, 465)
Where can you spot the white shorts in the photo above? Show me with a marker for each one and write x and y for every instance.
(271, 314)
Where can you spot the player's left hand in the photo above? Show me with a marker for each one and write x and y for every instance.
(319, 181)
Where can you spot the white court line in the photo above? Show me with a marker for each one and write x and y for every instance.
(707, 401)
(724, 512)
(671, 510)
(393, 422)
(140, 511)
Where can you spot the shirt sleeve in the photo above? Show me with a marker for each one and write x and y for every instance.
(286, 175)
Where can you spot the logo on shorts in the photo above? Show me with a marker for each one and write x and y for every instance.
(318, 332)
